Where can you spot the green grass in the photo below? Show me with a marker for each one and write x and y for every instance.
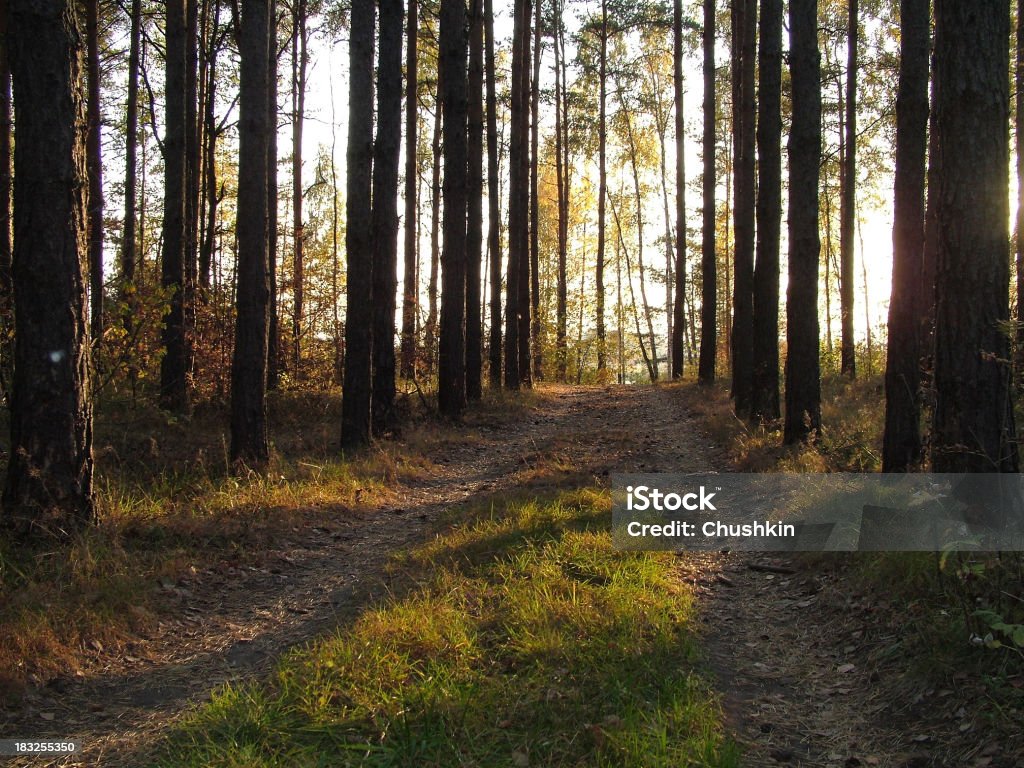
(518, 638)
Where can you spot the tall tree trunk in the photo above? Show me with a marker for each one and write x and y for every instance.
(249, 363)
(94, 165)
(745, 29)
(128, 240)
(192, 169)
(901, 446)
(524, 335)
(1019, 132)
(49, 475)
(451, 368)
(678, 320)
(384, 219)
(273, 336)
(174, 365)
(973, 425)
(849, 197)
(803, 371)
(475, 192)
(430, 333)
(764, 400)
(493, 198)
(602, 186)
(410, 289)
(355, 399)
(708, 261)
(534, 199)
(299, 63)
(5, 165)
(517, 215)
(561, 362)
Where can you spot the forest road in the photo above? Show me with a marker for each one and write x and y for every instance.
(794, 686)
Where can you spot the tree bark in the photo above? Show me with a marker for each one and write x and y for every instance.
(94, 165)
(249, 364)
(451, 382)
(848, 200)
(355, 400)
(517, 215)
(493, 199)
(709, 263)
(561, 147)
(1019, 132)
(678, 320)
(430, 332)
(273, 336)
(973, 426)
(535, 326)
(803, 372)
(745, 29)
(384, 219)
(49, 475)
(410, 290)
(475, 192)
(524, 334)
(5, 162)
(174, 395)
(901, 445)
(602, 188)
(299, 63)
(128, 239)
(764, 400)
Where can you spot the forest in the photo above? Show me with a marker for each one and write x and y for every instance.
(326, 324)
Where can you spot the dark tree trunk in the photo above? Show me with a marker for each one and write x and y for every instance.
(764, 400)
(273, 336)
(848, 201)
(534, 200)
(493, 199)
(524, 334)
(5, 164)
(475, 192)
(192, 161)
(678, 320)
(209, 136)
(128, 244)
(430, 332)
(451, 368)
(709, 264)
(1019, 131)
(517, 217)
(355, 400)
(94, 165)
(384, 219)
(49, 475)
(973, 426)
(561, 167)
(745, 29)
(299, 63)
(901, 446)
(174, 395)
(249, 363)
(602, 186)
(803, 372)
(410, 290)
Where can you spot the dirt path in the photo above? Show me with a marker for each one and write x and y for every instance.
(795, 674)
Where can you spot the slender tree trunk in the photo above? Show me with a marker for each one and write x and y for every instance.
(5, 164)
(451, 382)
(49, 474)
(493, 198)
(300, 60)
(602, 188)
(764, 401)
(384, 219)
(128, 240)
(94, 164)
(192, 160)
(174, 394)
(709, 263)
(249, 443)
(535, 327)
(803, 372)
(1019, 132)
(273, 336)
(901, 446)
(475, 192)
(524, 334)
(355, 400)
(973, 425)
(410, 289)
(744, 205)
(561, 362)
(210, 157)
(678, 320)
(848, 199)
(518, 223)
(430, 333)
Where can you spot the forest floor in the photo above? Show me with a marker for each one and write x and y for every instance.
(809, 670)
